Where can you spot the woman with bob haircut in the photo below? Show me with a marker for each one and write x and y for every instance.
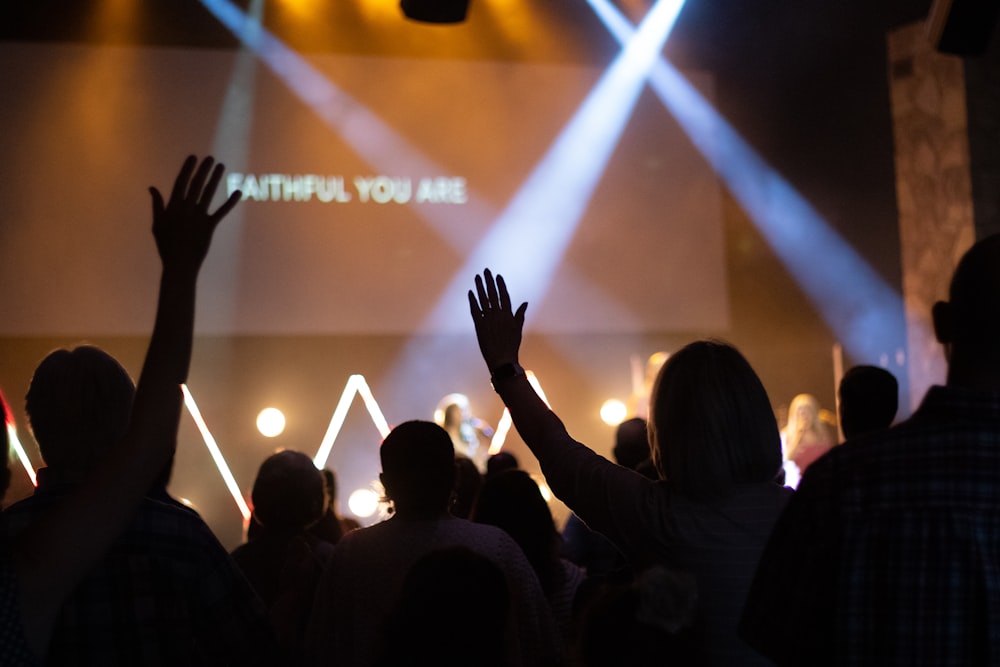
(711, 424)
(714, 440)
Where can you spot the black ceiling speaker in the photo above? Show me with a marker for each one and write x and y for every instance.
(435, 11)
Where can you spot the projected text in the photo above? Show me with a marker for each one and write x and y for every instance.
(338, 189)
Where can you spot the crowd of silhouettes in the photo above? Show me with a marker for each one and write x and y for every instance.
(687, 550)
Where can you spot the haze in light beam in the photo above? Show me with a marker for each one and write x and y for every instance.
(529, 237)
(372, 139)
(860, 308)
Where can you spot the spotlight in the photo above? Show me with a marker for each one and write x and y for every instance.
(270, 422)
(363, 502)
(435, 11)
(613, 412)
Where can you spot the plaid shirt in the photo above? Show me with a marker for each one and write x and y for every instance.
(166, 593)
(890, 551)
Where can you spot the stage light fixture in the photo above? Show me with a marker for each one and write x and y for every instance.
(363, 503)
(435, 11)
(271, 422)
(613, 412)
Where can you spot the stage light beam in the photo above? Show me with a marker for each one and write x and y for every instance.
(529, 237)
(856, 303)
(367, 135)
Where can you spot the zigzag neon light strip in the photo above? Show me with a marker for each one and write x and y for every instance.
(500, 435)
(21, 454)
(15, 443)
(356, 384)
(213, 449)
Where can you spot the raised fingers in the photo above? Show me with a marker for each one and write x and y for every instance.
(505, 304)
(227, 205)
(491, 289)
(474, 306)
(196, 189)
(484, 303)
(183, 176)
(213, 184)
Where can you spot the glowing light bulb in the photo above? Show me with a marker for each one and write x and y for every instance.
(363, 502)
(271, 422)
(613, 412)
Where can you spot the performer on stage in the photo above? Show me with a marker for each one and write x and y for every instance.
(470, 435)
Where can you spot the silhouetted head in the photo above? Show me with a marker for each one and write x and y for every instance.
(968, 324)
(329, 489)
(329, 482)
(78, 406)
(499, 462)
(631, 443)
(869, 398)
(512, 501)
(288, 492)
(418, 468)
(711, 425)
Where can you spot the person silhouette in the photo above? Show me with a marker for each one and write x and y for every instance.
(715, 444)
(282, 560)
(869, 398)
(888, 551)
(365, 576)
(107, 445)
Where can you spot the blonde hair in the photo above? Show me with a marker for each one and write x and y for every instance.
(794, 430)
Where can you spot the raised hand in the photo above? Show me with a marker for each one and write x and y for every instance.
(106, 502)
(183, 227)
(498, 327)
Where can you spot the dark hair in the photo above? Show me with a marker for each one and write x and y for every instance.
(418, 466)
(512, 501)
(499, 462)
(631, 443)
(869, 398)
(974, 290)
(78, 404)
(711, 422)
(330, 483)
(288, 491)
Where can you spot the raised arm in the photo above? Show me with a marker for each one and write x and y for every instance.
(604, 495)
(90, 520)
(499, 329)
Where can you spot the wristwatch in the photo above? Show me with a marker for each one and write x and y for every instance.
(505, 372)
